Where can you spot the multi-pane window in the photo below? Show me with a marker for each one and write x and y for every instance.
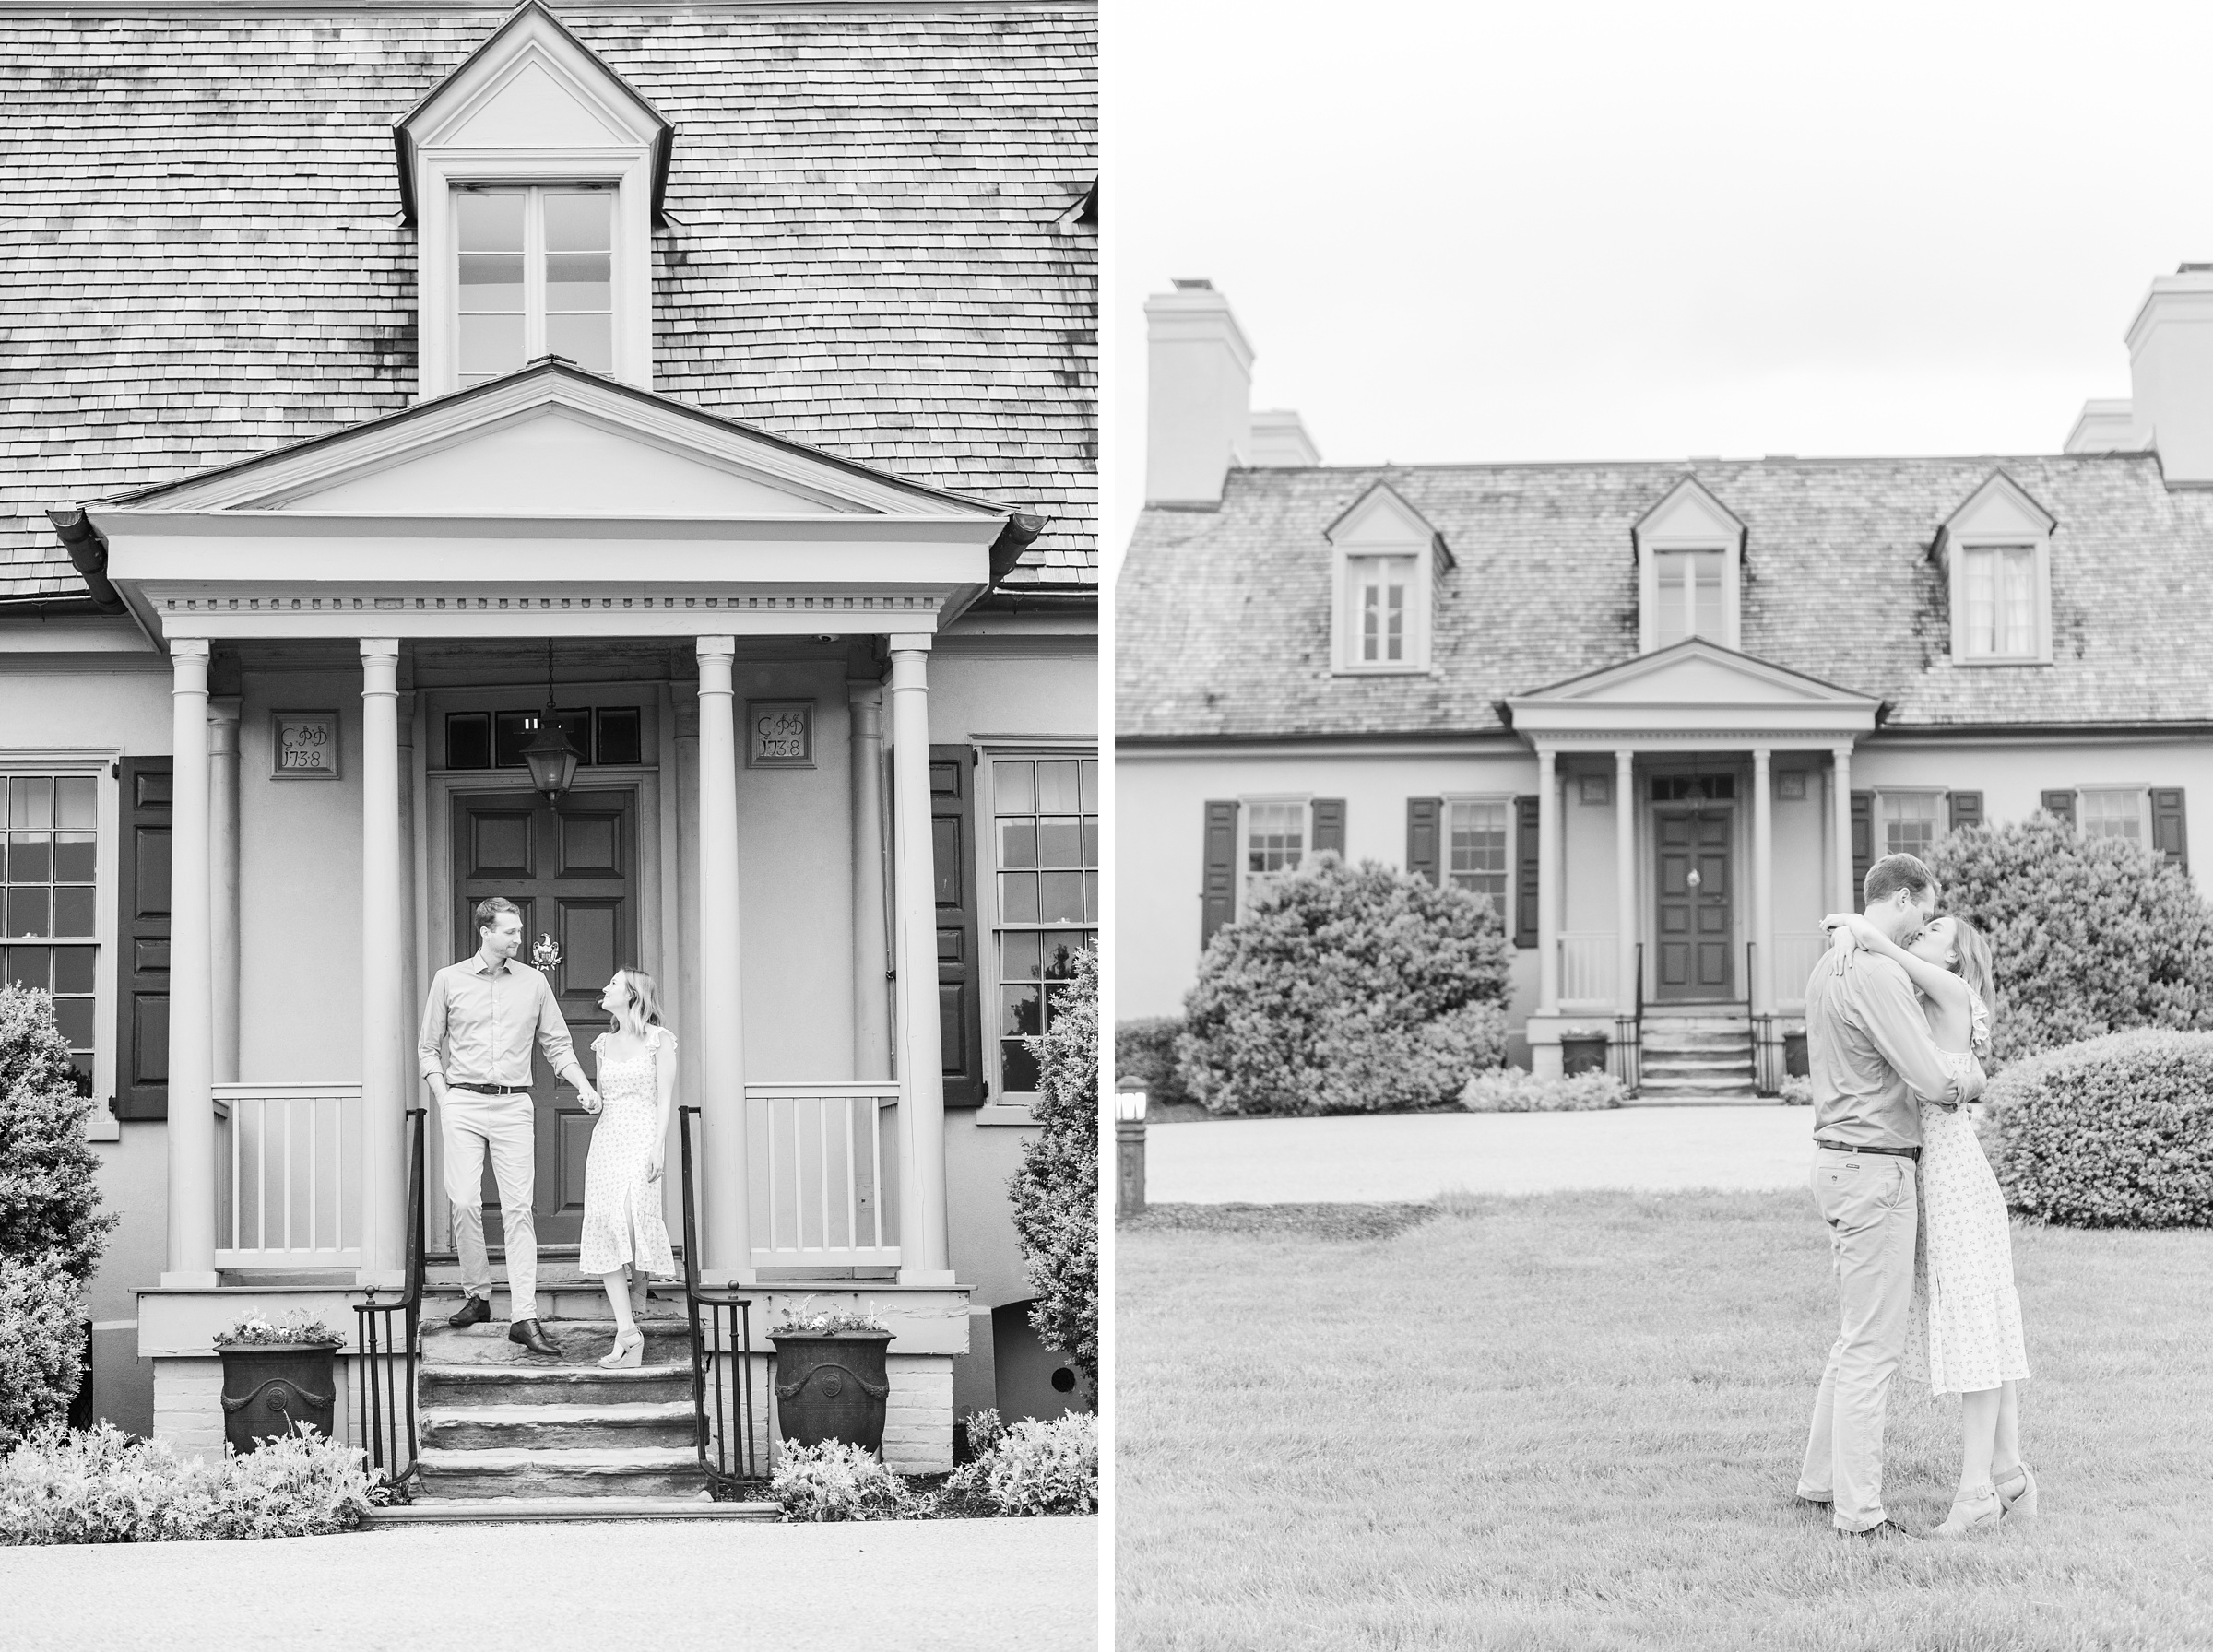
(1908, 821)
(537, 277)
(1275, 841)
(1476, 848)
(1045, 861)
(1999, 587)
(2112, 812)
(1382, 593)
(49, 867)
(1689, 588)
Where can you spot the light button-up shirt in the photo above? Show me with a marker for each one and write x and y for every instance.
(486, 1014)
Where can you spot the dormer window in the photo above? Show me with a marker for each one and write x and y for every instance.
(1387, 560)
(535, 279)
(1996, 553)
(1690, 552)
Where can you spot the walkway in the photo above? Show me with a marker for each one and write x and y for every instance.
(967, 1585)
(1417, 1156)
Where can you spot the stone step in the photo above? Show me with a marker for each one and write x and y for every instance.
(456, 1387)
(589, 1471)
(581, 1341)
(1695, 1061)
(557, 1299)
(478, 1511)
(1694, 1099)
(1688, 1021)
(1712, 1083)
(1694, 1041)
(669, 1423)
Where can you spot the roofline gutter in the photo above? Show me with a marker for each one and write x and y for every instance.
(48, 604)
(87, 554)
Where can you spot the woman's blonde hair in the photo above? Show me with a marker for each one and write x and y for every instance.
(1973, 961)
(644, 997)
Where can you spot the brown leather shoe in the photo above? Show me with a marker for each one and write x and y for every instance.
(474, 1310)
(528, 1333)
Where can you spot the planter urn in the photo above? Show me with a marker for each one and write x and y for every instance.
(830, 1385)
(269, 1387)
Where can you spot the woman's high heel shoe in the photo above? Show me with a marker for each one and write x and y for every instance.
(628, 1352)
(1970, 1514)
(2019, 1502)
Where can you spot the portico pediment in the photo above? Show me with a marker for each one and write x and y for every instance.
(1696, 691)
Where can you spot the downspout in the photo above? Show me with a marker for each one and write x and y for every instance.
(87, 554)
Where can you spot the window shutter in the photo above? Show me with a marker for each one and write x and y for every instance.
(953, 860)
(1329, 825)
(1966, 808)
(2060, 805)
(1862, 846)
(1525, 872)
(2169, 836)
(142, 941)
(1218, 891)
(1425, 856)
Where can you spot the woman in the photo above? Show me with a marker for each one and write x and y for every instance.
(622, 1225)
(1967, 1317)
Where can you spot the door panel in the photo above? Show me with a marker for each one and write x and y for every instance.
(572, 873)
(1694, 923)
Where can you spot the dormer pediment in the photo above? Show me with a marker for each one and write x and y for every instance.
(1385, 560)
(1690, 550)
(2000, 509)
(1380, 519)
(1995, 551)
(1690, 516)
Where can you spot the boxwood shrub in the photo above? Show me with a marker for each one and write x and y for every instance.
(1346, 989)
(1144, 1049)
(2111, 1132)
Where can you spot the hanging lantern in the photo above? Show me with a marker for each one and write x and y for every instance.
(552, 759)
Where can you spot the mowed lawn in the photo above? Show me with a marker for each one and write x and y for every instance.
(1575, 1420)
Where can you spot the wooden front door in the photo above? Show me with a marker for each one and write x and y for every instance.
(573, 869)
(1695, 925)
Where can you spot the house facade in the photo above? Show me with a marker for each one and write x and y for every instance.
(713, 386)
(1662, 715)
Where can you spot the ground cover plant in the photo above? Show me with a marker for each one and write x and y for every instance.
(1027, 1467)
(1575, 1420)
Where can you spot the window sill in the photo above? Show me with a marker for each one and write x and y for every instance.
(1005, 1112)
(1401, 670)
(2010, 659)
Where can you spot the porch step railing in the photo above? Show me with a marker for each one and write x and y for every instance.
(288, 1182)
(724, 1407)
(824, 1189)
(388, 1341)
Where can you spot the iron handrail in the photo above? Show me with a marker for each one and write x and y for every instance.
(383, 1403)
(724, 1438)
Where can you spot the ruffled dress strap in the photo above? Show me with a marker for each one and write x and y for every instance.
(1978, 1037)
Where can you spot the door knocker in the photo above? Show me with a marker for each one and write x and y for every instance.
(1694, 880)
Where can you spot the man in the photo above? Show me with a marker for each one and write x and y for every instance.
(1873, 1062)
(485, 1010)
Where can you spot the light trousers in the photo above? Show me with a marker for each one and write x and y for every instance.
(1869, 1202)
(505, 1126)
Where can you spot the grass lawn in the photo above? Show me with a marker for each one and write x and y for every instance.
(1575, 1420)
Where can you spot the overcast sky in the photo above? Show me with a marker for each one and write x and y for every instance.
(1558, 231)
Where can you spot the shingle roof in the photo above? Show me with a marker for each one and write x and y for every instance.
(201, 256)
(1223, 617)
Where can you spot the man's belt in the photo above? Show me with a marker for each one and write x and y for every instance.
(493, 1089)
(1893, 1152)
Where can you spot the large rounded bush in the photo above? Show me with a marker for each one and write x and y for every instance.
(1346, 989)
(42, 1345)
(2090, 935)
(2112, 1132)
(1056, 1192)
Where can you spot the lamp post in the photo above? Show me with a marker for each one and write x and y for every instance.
(1129, 1147)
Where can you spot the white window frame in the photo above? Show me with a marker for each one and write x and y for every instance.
(1380, 524)
(2141, 795)
(1998, 515)
(1683, 593)
(1358, 583)
(1246, 811)
(1000, 1105)
(101, 764)
(1689, 519)
(536, 326)
(1884, 799)
(1503, 800)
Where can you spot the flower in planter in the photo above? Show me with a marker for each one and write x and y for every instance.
(823, 1322)
(256, 1330)
(547, 953)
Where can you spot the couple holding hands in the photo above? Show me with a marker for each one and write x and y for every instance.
(474, 1051)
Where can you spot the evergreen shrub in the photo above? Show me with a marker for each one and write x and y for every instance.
(1510, 1089)
(1056, 1191)
(1347, 989)
(1144, 1049)
(2090, 936)
(2111, 1132)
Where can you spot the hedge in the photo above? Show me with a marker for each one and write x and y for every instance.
(1346, 989)
(1144, 1049)
(1512, 1090)
(2111, 1132)
(1056, 1191)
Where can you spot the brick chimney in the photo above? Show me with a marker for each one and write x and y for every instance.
(1198, 395)
(2169, 409)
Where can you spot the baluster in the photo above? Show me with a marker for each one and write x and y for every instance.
(822, 1150)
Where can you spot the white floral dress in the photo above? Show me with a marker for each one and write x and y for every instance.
(1966, 1329)
(621, 1209)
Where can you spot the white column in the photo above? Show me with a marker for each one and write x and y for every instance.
(1548, 884)
(1761, 987)
(726, 1238)
(383, 1098)
(1848, 898)
(871, 997)
(922, 1247)
(222, 843)
(191, 998)
(1625, 877)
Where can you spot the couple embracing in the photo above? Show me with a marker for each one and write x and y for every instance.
(1897, 1016)
(478, 1027)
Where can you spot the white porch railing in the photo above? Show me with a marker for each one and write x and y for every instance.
(1797, 952)
(1589, 967)
(823, 1174)
(288, 1176)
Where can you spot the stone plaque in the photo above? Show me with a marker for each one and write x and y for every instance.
(779, 734)
(306, 745)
